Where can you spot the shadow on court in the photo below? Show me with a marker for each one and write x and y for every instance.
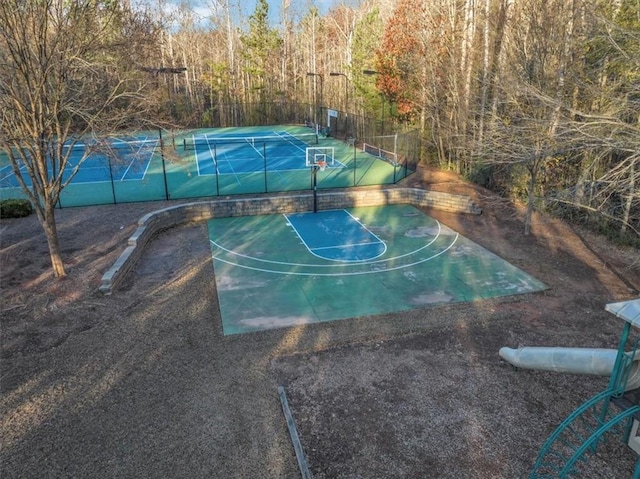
(284, 270)
(144, 383)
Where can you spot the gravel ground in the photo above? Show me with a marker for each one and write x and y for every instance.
(143, 383)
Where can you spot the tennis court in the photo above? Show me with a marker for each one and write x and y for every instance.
(279, 151)
(283, 270)
(121, 159)
(213, 162)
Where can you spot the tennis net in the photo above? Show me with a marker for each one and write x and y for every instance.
(204, 142)
(105, 146)
(386, 155)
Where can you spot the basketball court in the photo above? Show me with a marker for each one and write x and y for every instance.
(282, 270)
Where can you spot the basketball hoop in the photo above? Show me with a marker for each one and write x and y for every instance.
(322, 165)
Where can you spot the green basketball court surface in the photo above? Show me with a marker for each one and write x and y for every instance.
(283, 270)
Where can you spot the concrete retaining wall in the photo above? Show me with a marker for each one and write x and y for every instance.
(156, 221)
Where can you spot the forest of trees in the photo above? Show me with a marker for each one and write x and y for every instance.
(536, 99)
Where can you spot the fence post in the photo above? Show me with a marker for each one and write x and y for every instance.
(264, 155)
(215, 168)
(113, 187)
(355, 150)
(164, 170)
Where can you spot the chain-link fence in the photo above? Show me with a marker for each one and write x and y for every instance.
(367, 153)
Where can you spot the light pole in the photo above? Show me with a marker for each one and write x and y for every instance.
(346, 99)
(319, 75)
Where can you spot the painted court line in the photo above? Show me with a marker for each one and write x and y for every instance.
(320, 248)
(343, 273)
(285, 136)
(147, 160)
(233, 172)
(198, 160)
(294, 141)
(257, 151)
(214, 161)
(265, 292)
(74, 167)
(314, 265)
(306, 227)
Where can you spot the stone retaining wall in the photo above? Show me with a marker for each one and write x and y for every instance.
(156, 221)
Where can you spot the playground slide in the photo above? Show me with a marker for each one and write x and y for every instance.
(597, 362)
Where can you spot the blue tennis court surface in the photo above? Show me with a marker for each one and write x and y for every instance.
(225, 154)
(118, 161)
(283, 270)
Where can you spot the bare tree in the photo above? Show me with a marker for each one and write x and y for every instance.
(569, 114)
(609, 172)
(68, 71)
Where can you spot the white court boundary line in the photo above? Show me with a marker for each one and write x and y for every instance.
(337, 164)
(341, 246)
(215, 162)
(339, 265)
(74, 181)
(284, 263)
(345, 273)
(146, 168)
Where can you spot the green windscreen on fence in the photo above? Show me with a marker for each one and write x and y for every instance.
(221, 161)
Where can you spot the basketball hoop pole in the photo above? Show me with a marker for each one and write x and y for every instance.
(316, 158)
(314, 174)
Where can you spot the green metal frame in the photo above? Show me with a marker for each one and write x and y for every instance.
(580, 433)
(592, 441)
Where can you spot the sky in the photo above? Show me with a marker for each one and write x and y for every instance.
(275, 5)
(204, 8)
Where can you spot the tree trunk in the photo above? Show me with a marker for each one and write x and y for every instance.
(467, 65)
(485, 75)
(533, 174)
(48, 222)
(631, 194)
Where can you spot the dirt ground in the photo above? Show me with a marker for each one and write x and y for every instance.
(142, 383)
